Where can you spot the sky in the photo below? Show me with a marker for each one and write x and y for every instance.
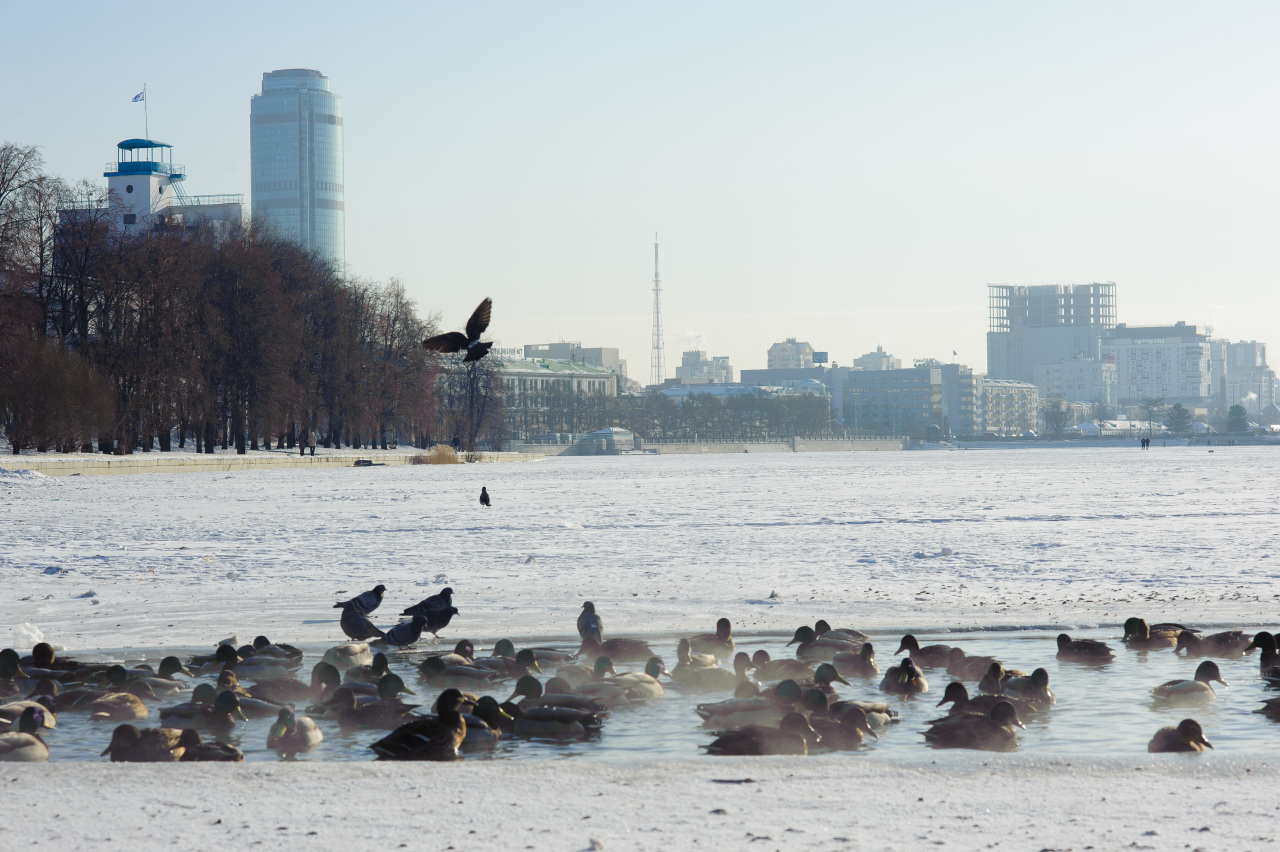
(850, 174)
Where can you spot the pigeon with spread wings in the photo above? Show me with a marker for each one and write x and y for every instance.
(456, 341)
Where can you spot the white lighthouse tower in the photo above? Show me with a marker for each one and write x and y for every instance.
(144, 180)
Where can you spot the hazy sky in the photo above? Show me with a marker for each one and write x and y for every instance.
(850, 174)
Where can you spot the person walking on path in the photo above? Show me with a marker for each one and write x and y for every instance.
(302, 443)
(311, 441)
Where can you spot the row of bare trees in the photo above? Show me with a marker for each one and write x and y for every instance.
(236, 339)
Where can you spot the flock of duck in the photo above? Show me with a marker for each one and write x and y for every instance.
(766, 706)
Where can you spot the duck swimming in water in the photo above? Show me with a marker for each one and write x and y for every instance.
(1139, 636)
(861, 663)
(904, 679)
(25, 745)
(428, 738)
(930, 656)
(718, 644)
(1189, 693)
(1084, 650)
(1188, 736)
(151, 745)
(997, 731)
(292, 733)
(195, 749)
(815, 649)
(958, 697)
(790, 737)
(768, 670)
(619, 650)
(1229, 643)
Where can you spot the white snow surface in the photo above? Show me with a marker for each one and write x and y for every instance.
(664, 545)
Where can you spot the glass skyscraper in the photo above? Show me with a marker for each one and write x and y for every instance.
(295, 146)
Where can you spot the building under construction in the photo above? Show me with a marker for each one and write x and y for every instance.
(1045, 324)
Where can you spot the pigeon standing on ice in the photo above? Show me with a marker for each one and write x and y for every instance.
(406, 632)
(484, 496)
(365, 602)
(456, 341)
(357, 625)
(438, 609)
(590, 626)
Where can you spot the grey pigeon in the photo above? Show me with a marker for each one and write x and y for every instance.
(438, 609)
(590, 625)
(365, 602)
(406, 632)
(357, 626)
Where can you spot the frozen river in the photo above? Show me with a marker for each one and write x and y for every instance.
(664, 544)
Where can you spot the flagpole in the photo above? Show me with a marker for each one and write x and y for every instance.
(146, 117)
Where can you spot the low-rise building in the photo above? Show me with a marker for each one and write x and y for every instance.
(595, 356)
(537, 392)
(1008, 407)
(790, 355)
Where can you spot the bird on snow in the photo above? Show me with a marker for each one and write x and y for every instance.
(590, 626)
(484, 496)
(406, 633)
(357, 626)
(456, 341)
(438, 609)
(365, 602)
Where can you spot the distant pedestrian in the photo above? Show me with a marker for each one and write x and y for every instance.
(484, 497)
(311, 441)
(302, 443)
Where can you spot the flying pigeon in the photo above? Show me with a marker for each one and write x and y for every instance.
(456, 341)
(365, 602)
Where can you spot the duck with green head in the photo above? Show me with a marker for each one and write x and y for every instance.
(25, 745)
(292, 733)
(1190, 693)
(1188, 736)
(428, 738)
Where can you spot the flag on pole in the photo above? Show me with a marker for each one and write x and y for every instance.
(141, 96)
(953, 353)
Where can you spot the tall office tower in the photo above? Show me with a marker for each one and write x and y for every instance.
(295, 142)
(1046, 324)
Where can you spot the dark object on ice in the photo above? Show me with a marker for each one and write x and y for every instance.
(357, 626)
(431, 738)
(484, 496)
(590, 626)
(407, 632)
(438, 609)
(368, 463)
(1188, 736)
(365, 602)
(454, 341)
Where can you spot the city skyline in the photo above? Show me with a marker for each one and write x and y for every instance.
(847, 175)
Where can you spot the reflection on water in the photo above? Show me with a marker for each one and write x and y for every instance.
(1100, 711)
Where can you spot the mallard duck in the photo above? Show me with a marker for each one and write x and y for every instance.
(228, 682)
(324, 679)
(25, 745)
(845, 731)
(517, 665)
(162, 682)
(643, 685)
(930, 656)
(961, 665)
(486, 724)
(1269, 659)
(713, 678)
(1229, 643)
(1139, 636)
(822, 628)
(1271, 708)
(150, 745)
(718, 644)
(11, 713)
(981, 705)
(371, 673)
(557, 723)
(219, 717)
(879, 715)
(605, 689)
(264, 647)
(224, 654)
(343, 657)
(188, 713)
(292, 733)
(195, 749)
(861, 663)
(814, 649)
(437, 673)
(1084, 650)
(1187, 736)
(825, 675)
(790, 737)
(768, 670)
(618, 650)
(387, 715)
(532, 694)
(1186, 693)
(993, 682)
(997, 731)
(904, 679)
(766, 709)
(590, 625)
(258, 669)
(1033, 688)
(119, 706)
(427, 738)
